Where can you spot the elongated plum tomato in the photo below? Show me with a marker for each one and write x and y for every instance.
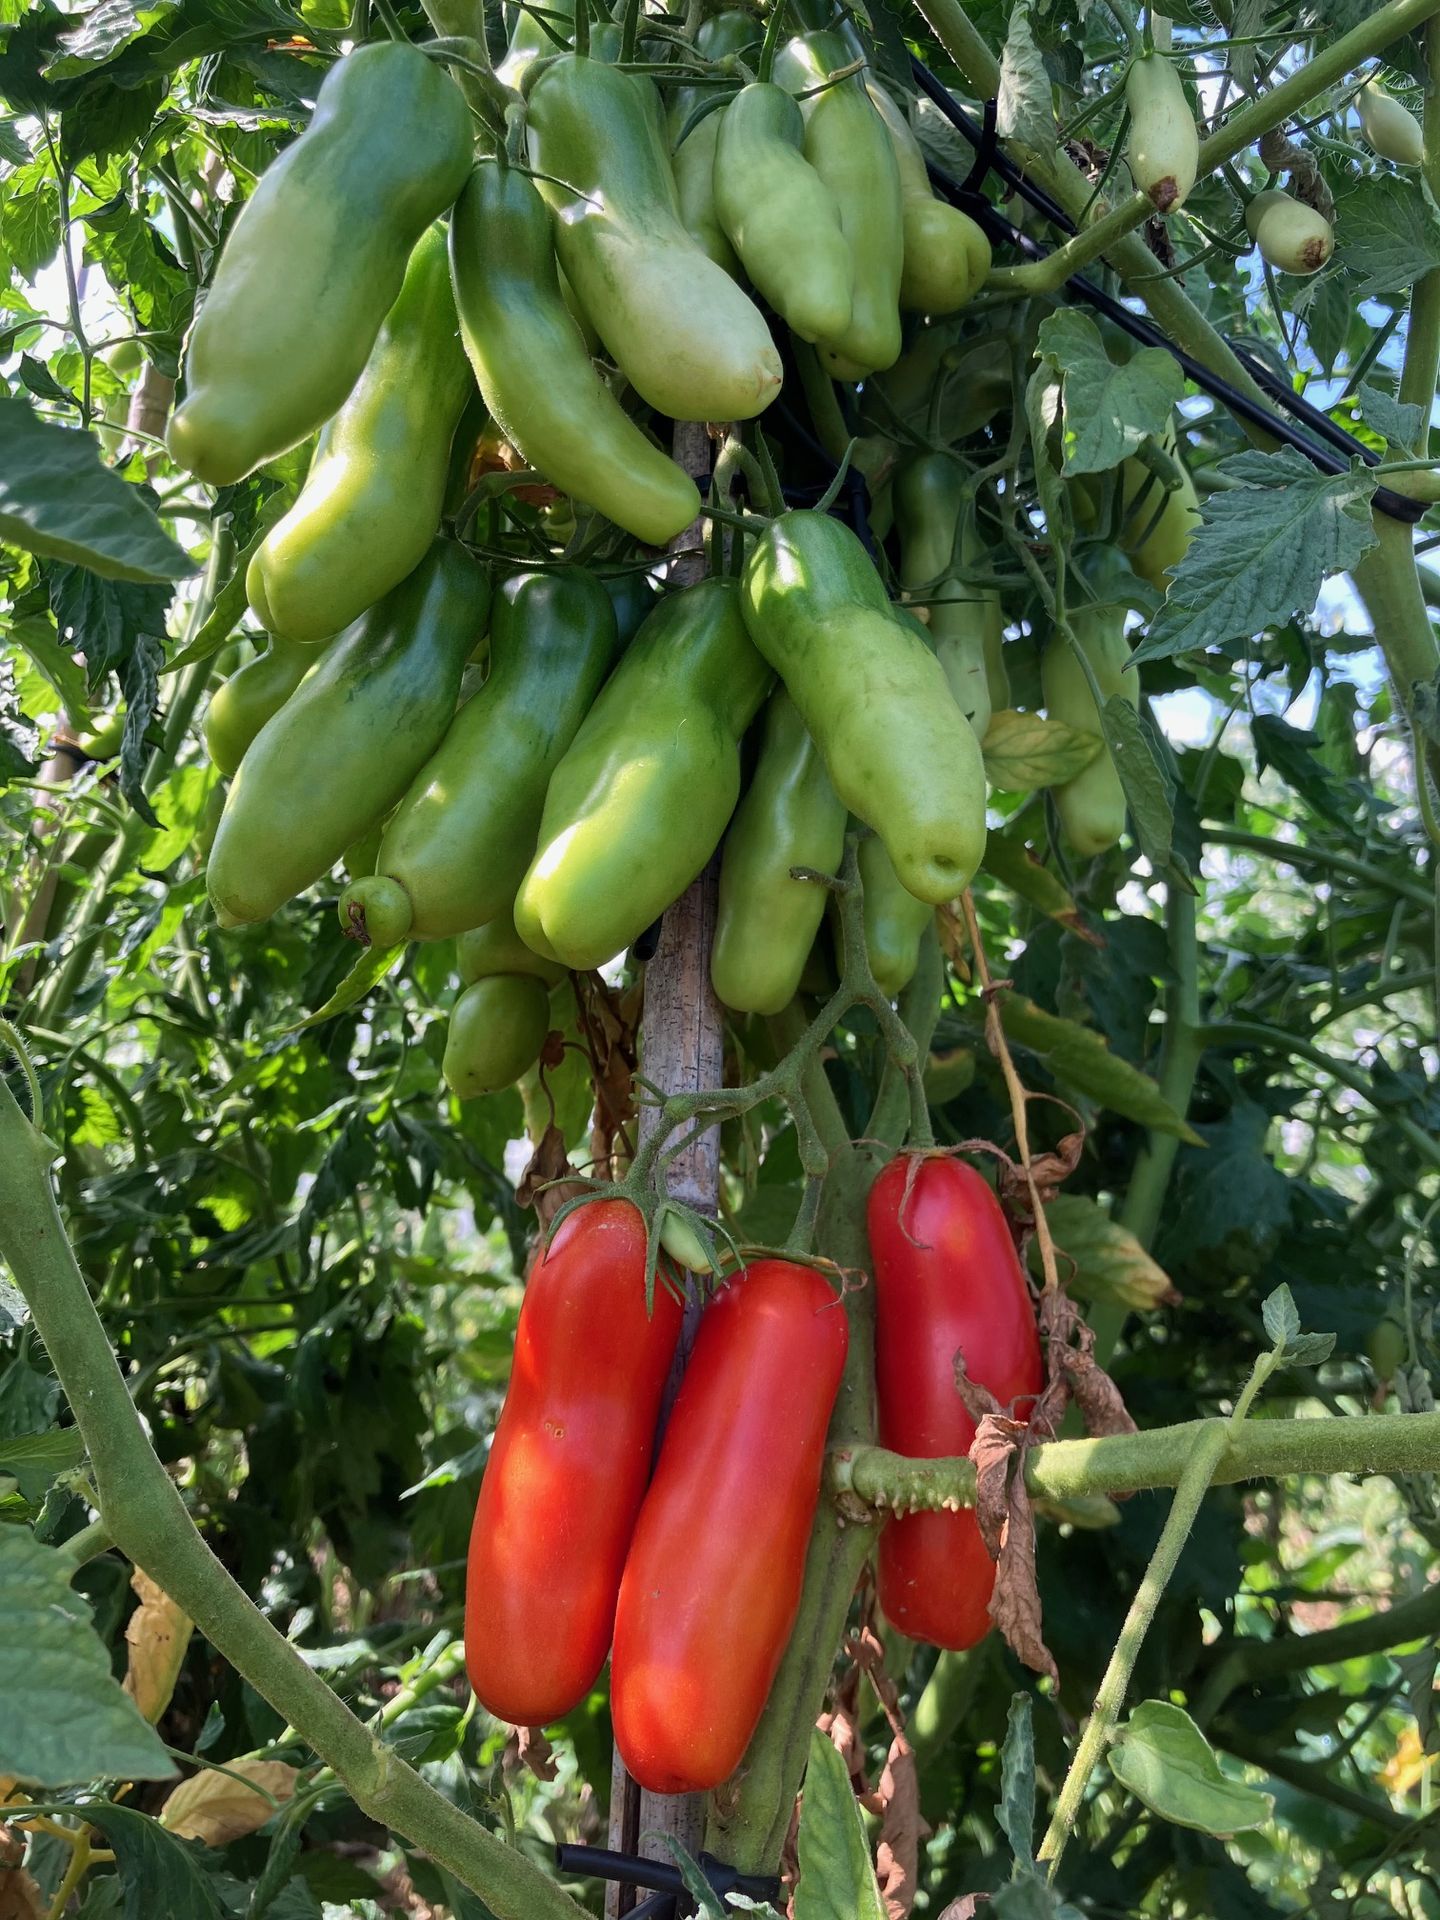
(712, 1582)
(947, 1281)
(567, 1469)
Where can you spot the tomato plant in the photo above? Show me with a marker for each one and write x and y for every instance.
(700, 709)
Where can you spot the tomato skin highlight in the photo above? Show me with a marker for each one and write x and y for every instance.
(712, 1582)
(957, 1289)
(567, 1468)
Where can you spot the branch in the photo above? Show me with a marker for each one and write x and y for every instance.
(1130, 1462)
(1243, 128)
(151, 1526)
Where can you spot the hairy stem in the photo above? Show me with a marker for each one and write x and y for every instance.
(149, 1523)
(1193, 1485)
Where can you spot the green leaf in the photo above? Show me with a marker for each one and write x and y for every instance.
(1016, 1812)
(66, 1719)
(105, 618)
(102, 33)
(36, 1460)
(1081, 1058)
(837, 1879)
(1147, 790)
(1026, 751)
(1109, 410)
(368, 971)
(140, 685)
(1042, 412)
(1025, 115)
(1009, 860)
(19, 743)
(1105, 1260)
(1262, 551)
(1295, 754)
(1398, 422)
(1281, 1316)
(1162, 1757)
(159, 1873)
(58, 500)
(30, 227)
(1391, 234)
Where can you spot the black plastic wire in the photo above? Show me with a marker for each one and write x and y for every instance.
(1340, 448)
(630, 1870)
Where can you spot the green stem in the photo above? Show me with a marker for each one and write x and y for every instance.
(748, 1824)
(1290, 853)
(89, 922)
(1422, 332)
(1415, 1619)
(151, 1526)
(1314, 1780)
(1245, 126)
(1180, 1056)
(1194, 1484)
(1391, 1443)
(1255, 1034)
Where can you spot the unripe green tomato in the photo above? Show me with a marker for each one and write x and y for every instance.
(1386, 1346)
(895, 921)
(497, 1030)
(1292, 237)
(1390, 130)
(497, 948)
(375, 910)
(683, 1244)
(209, 821)
(103, 743)
(1163, 148)
(125, 357)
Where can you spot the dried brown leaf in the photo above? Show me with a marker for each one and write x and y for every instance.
(216, 1808)
(966, 1907)
(897, 1858)
(543, 1184)
(1071, 1363)
(534, 1751)
(1015, 1604)
(20, 1898)
(156, 1634)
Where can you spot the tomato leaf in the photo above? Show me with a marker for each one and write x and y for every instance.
(1081, 1058)
(1262, 551)
(1167, 1763)
(1025, 751)
(58, 500)
(837, 1878)
(1109, 1263)
(1109, 410)
(66, 1719)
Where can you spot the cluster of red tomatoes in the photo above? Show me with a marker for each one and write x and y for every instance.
(686, 1565)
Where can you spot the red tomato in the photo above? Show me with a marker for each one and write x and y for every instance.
(947, 1281)
(567, 1469)
(713, 1580)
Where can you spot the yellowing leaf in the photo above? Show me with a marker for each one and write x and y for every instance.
(1106, 1261)
(157, 1633)
(217, 1808)
(1081, 1059)
(1024, 751)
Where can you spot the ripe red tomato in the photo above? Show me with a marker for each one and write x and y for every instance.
(567, 1469)
(947, 1281)
(713, 1579)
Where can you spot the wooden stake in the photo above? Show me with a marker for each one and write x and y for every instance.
(682, 1048)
